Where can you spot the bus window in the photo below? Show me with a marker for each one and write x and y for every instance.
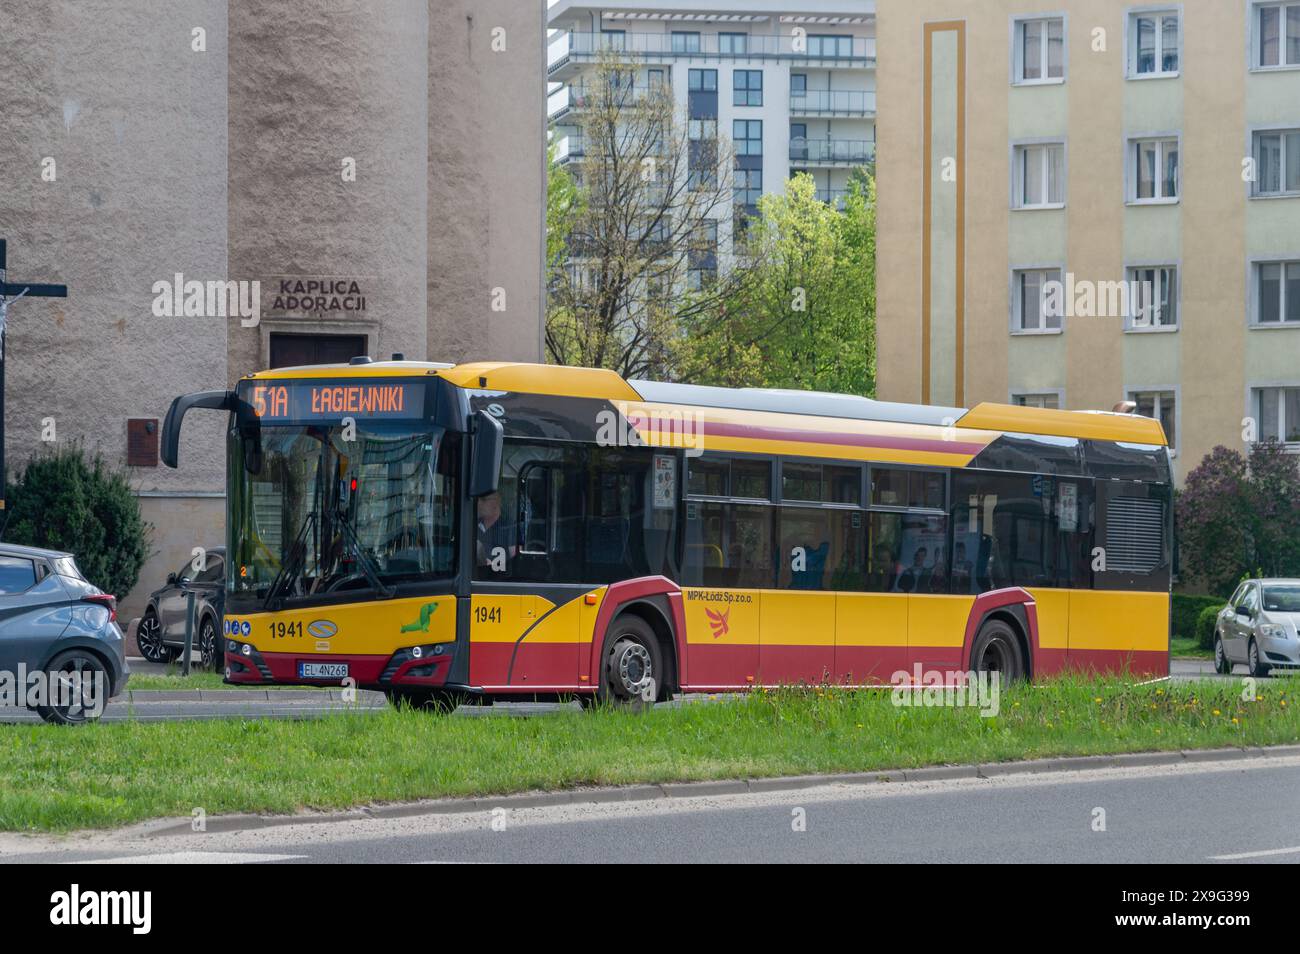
(821, 549)
(907, 553)
(729, 544)
(893, 487)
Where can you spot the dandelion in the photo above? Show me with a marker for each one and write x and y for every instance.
(1216, 712)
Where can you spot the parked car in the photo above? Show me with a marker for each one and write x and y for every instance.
(54, 621)
(1258, 627)
(161, 633)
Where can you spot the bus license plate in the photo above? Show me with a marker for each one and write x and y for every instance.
(308, 670)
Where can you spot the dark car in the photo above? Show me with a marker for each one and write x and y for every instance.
(161, 633)
(59, 640)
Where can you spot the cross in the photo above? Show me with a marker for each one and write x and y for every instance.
(10, 292)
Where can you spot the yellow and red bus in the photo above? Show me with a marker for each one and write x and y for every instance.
(515, 530)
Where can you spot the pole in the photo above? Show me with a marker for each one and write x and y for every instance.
(189, 632)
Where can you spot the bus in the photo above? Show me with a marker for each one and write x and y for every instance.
(445, 533)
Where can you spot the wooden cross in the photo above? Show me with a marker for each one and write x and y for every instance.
(10, 292)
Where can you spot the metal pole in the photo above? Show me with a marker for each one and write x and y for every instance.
(189, 632)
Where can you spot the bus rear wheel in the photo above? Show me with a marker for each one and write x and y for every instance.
(631, 671)
(997, 650)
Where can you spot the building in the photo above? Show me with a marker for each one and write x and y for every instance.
(792, 83)
(374, 165)
(1092, 143)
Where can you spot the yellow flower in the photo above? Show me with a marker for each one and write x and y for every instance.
(1234, 720)
(1216, 712)
(1098, 699)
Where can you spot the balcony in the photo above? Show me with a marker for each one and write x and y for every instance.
(833, 102)
(569, 50)
(831, 152)
(569, 148)
(563, 105)
(835, 197)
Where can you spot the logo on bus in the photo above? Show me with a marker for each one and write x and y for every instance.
(322, 628)
(719, 622)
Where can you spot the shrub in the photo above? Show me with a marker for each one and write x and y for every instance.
(1187, 610)
(1205, 623)
(62, 501)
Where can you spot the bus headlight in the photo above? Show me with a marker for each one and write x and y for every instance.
(246, 649)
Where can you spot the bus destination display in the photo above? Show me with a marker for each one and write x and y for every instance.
(333, 400)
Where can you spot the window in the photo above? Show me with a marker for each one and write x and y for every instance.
(1153, 297)
(729, 544)
(1045, 399)
(1155, 170)
(747, 135)
(701, 129)
(685, 42)
(798, 142)
(1277, 293)
(1277, 162)
(613, 39)
(798, 84)
(748, 186)
(1277, 411)
(1277, 35)
(1030, 311)
(821, 483)
(733, 44)
(820, 548)
(702, 81)
(727, 477)
(894, 487)
(1160, 406)
(906, 553)
(747, 88)
(1039, 50)
(17, 575)
(1040, 175)
(1153, 41)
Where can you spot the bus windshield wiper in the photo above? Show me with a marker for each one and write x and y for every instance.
(367, 564)
(292, 567)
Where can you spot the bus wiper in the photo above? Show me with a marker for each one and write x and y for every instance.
(367, 564)
(292, 566)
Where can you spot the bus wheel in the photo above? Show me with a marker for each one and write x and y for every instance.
(997, 650)
(430, 700)
(631, 668)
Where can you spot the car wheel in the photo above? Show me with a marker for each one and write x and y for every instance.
(148, 636)
(211, 653)
(997, 650)
(631, 666)
(1257, 668)
(78, 685)
(1222, 665)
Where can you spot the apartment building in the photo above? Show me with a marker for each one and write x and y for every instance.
(1047, 161)
(792, 84)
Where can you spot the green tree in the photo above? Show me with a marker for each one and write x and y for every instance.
(805, 318)
(62, 501)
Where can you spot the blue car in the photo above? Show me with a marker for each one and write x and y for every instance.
(61, 650)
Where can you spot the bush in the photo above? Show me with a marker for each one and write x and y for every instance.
(1206, 620)
(62, 501)
(1186, 613)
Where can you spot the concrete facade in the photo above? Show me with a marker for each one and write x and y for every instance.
(228, 163)
(952, 247)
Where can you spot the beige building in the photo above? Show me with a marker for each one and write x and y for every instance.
(376, 165)
(1083, 202)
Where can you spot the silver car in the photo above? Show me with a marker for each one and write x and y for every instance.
(61, 650)
(1258, 627)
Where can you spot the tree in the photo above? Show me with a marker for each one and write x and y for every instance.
(1239, 516)
(636, 255)
(62, 501)
(806, 317)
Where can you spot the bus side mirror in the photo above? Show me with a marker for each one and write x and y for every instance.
(485, 455)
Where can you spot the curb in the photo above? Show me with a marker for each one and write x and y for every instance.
(245, 695)
(669, 790)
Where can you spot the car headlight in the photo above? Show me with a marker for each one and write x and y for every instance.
(1272, 631)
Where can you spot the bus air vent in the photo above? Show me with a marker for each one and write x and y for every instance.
(1135, 540)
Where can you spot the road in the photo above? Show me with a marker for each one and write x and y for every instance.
(1242, 810)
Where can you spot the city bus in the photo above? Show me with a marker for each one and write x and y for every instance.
(489, 530)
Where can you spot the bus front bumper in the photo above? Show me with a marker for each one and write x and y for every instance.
(409, 666)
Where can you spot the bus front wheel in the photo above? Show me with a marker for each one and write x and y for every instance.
(997, 650)
(632, 670)
(430, 700)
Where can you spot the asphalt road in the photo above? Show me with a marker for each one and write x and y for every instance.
(1215, 812)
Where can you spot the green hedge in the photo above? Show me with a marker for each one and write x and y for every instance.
(1186, 610)
(1205, 623)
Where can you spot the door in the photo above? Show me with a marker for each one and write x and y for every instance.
(33, 612)
(1242, 623)
(288, 350)
(171, 605)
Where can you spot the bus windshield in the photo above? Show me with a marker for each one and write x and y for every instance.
(334, 509)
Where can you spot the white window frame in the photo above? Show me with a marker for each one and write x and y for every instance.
(1131, 41)
(1131, 320)
(1256, 265)
(1018, 151)
(1018, 23)
(1255, 396)
(1016, 317)
(1132, 147)
(1056, 394)
(1159, 390)
(1282, 132)
(1257, 63)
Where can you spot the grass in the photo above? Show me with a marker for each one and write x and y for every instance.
(58, 779)
(1189, 648)
(197, 679)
